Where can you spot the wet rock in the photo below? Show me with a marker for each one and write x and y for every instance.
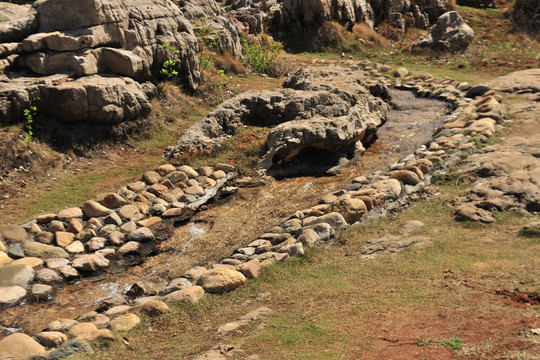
(76, 346)
(67, 214)
(75, 247)
(113, 201)
(11, 295)
(51, 339)
(16, 275)
(90, 263)
(42, 292)
(13, 233)
(190, 295)
(18, 346)
(48, 276)
(62, 325)
(220, 280)
(111, 302)
(141, 235)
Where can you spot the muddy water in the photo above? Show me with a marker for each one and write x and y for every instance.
(233, 222)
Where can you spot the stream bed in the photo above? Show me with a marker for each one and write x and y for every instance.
(230, 223)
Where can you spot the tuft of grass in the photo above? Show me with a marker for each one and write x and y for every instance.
(422, 341)
(453, 342)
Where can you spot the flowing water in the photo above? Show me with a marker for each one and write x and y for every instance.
(233, 222)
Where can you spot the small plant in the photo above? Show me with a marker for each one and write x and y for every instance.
(29, 114)
(168, 68)
(261, 54)
(208, 44)
(454, 343)
(422, 341)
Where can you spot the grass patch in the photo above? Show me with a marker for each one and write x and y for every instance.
(454, 343)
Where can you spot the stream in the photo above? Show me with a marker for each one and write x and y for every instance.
(230, 223)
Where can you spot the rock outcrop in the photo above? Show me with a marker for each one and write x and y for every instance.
(450, 33)
(332, 111)
(283, 16)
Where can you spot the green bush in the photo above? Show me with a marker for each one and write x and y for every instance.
(261, 53)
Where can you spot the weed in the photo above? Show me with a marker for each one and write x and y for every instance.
(29, 114)
(260, 54)
(422, 341)
(168, 68)
(454, 343)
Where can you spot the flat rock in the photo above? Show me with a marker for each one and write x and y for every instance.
(42, 292)
(16, 275)
(66, 214)
(18, 346)
(55, 263)
(43, 251)
(64, 238)
(129, 212)
(31, 261)
(220, 280)
(13, 233)
(11, 295)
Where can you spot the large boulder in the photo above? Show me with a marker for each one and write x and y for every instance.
(220, 280)
(18, 346)
(16, 275)
(450, 33)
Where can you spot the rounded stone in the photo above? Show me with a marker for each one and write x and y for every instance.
(151, 177)
(48, 276)
(189, 171)
(221, 279)
(190, 295)
(18, 346)
(351, 209)
(42, 292)
(165, 169)
(11, 295)
(124, 323)
(91, 262)
(95, 209)
(113, 201)
(51, 339)
(141, 235)
(13, 233)
(43, 251)
(16, 275)
(66, 214)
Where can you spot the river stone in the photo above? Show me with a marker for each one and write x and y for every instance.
(66, 214)
(158, 189)
(175, 285)
(48, 276)
(334, 219)
(18, 346)
(352, 209)
(165, 169)
(45, 218)
(16, 275)
(42, 292)
(13, 233)
(391, 187)
(76, 346)
(189, 171)
(129, 212)
(51, 339)
(68, 272)
(75, 247)
(113, 201)
(151, 177)
(124, 323)
(45, 237)
(221, 279)
(30, 261)
(5, 259)
(62, 325)
(16, 252)
(11, 294)
(190, 295)
(401, 72)
(96, 243)
(154, 308)
(91, 262)
(251, 269)
(92, 208)
(64, 238)
(405, 176)
(149, 222)
(141, 235)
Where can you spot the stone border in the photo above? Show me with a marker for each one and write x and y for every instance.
(365, 199)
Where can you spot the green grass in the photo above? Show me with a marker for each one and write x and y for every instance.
(454, 343)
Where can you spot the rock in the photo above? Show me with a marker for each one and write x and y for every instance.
(92, 262)
(48, 276)
(323, 230)
(55, 226)
(165, 169)
(45, 237)
(220, 280)
(42, 292)
(45, 218)
(74, 226)
(13, 233)
(189, 171)
(116, 238)
(4, 258)
(251, 269)
(55, 263)
(16, 275)
(351, 209)
(154, 308)
(218, 174)
(51, 339)
(129, 248)
(392, 244)
(62, 325)
(16, 251)
(11, 295)
(190, 295)
(129, 212)
(67, 214)
(117, 310)
(86, 234)
(177, 177)
(401, 72)
(96, 243)
(141, 235)
(68, 272)
(151, 177)
(124, 322)
(175, 285)
(450, 33)
(75, 247)
(113, 201)
(334, 219)
(94, 209)
(308, 237)
(84, 331)
(391, 187)
(194, 273)
(18, 346)
(469, 212)
(405, 176)
(292, 249)
(76, 346)
(194, 190)
(64, 238)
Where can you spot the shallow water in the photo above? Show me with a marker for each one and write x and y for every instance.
(234, 222)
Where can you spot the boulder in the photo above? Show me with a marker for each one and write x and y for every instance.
(51, 339)
(124, 323)
(450, 33)
(220, 280)
(75, 346)
(13, 233)
(190, 295)
(11, 295)
(94, 209)
(16, 275)
(351, 209)
(91, 262)
(18, 346)
(67, 214)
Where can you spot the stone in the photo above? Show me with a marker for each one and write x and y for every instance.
(405, 176)
(113, 201)
(62, 325)
(68, 272)
(391, 187)
(141, 235)
(64, 238)
(16, 275)
(158, 189)
(334, 219)
(149, 222)
(189, 171)
(67, 214)
(112, 219)
(124, 323)
(154, 308)
(48, 276)
(30, 261)
(56, 225)
(177, 177)
(401, 72)
(83, 330)
(76, 346)
(55, 263)
(117, 310)
(74, 226)
(10, 295)
(45, 237)
(116, 238)
(165, 169)
(86, 234)
(18, 346)
(308, 237)
(42, 292)
(4, 258)
(90, 263)
(194, 273)
(16, 251)
(469, 212)
(129, 248)
(151, 177)
(94, 209)
(218, 174)
(270, 258)
(75, 247)
(391, 244)
(190, 295)
(128, 227)
(221, 280)
(175, 285)
(96, 243)
(51, 339)
(13, 233)
(194, 190)
(292, 249)
(45, 218)
(129, 212)
(351, 209)
(251, 269)
(450, 34)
